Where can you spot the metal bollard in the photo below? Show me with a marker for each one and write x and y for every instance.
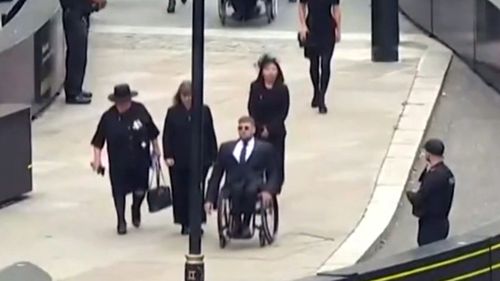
(385, 31)
(24, 271)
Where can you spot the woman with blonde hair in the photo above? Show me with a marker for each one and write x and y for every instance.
(177, 147)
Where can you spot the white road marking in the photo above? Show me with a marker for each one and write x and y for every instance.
(243, 33)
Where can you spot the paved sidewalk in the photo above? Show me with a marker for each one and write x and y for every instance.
(67, 226)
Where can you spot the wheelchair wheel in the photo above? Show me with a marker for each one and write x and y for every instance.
(223, 221)
(222, 7)
(270, 221)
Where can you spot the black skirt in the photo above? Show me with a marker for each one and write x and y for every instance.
(125, 181)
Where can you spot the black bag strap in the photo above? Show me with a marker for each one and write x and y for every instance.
(157, 176)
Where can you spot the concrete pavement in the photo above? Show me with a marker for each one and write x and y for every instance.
(151, 13)
(466, 119)
(67, 224)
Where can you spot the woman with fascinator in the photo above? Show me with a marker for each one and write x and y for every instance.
(268, 104)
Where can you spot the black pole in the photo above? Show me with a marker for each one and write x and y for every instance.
(385, 31)
(194, 268)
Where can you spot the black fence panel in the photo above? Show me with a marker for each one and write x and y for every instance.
(421, 12)
(470, 27)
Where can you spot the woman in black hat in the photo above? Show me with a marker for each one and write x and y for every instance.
(128, 131)
(268, 105)
(177, 151)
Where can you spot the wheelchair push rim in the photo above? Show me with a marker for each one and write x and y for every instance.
(270, 221)
(223, 221)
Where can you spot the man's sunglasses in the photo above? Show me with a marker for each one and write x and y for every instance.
(243, 128)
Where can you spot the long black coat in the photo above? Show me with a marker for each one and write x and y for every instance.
(269, 108)
(177, 136)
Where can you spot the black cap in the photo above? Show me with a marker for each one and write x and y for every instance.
(434, 147)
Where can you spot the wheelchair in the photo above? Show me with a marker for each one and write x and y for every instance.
(264, 221)
(270, 9)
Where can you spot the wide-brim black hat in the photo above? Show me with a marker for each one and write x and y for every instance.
(122, 92)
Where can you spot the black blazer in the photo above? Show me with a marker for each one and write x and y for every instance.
(269, 108)
(177, 136)
(260, 164)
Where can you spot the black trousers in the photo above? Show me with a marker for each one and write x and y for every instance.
(244, 8)
(76, 31)
(432, 230)
(120, 202)
(243, 200)
(180, 179)
(279, 148)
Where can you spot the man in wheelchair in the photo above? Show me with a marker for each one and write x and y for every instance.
(249, 168)
(245, 9)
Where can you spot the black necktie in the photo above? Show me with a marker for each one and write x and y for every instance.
(243, 152)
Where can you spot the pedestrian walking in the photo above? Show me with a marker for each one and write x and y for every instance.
(268, 105)
(76, 16)
(128, 131)
(319, 31)
(177, 151)
(171, 5)
(433, 200)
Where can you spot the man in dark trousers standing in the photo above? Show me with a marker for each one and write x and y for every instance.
(76, 14)
(432, 202)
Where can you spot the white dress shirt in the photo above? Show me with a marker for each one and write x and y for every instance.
(239, 147)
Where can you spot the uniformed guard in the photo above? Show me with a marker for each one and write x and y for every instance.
(432, 201)
(76, 15)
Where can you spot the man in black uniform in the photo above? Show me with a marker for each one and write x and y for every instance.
(432, 202)
(76, 15)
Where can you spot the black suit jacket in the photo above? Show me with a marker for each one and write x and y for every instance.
(260, 164)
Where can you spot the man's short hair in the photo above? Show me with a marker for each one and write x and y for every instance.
(246, 119)
(434, 147)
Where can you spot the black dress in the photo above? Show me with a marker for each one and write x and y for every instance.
(177, 145)
(321, 25)
(269, 108)
(128, 138)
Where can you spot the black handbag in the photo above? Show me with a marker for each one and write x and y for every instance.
(159, 195)
(306, 42)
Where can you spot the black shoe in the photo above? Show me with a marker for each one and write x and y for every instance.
(122, 228)
(79, 99)
(253, 13)
(315, 100)
(184, 230)
(171, 7)
(136, 216)
(246, 233)
(87, 94)
(323, 109)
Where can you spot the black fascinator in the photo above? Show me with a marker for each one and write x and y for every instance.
(265, 59)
